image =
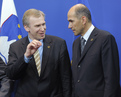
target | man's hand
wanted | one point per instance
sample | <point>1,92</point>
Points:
<point>32,48</point>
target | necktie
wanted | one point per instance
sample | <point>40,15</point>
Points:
<point>82,44</point>
<point>37,61</point>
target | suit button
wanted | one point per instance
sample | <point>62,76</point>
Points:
<point>78,81</point>
<point>79,66</point>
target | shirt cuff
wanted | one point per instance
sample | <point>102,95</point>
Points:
<point>27,59</point>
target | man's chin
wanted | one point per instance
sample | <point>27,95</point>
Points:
<point>42,37</point>
<point>75,34</point>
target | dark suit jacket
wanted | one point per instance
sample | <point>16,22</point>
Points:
<point>55,78</point>
<point>4,81</point>
<point>96,71</point>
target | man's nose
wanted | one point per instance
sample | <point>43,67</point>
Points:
<point>42,28</point>
<point>69,26</point>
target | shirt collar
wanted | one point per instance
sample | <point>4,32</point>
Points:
<point>87,34</point>
<point>30,40</point>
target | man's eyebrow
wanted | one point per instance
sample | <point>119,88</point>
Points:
<point>70,20</point>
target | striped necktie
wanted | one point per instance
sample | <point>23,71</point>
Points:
<point>82,44</point>
<point>37,61</point>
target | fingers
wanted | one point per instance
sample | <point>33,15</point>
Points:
<point>35,44</point>
<point>32,48</point>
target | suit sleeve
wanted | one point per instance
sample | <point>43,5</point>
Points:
<point>110,61</point>
<point>16,65</point>
<point>65,71</point>
<point>5,83</point>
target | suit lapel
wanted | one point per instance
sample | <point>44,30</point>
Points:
<point>32,62</point>
<point>48,45</point>
<point>89,43</point>
<point>77,51</point>
<point>25,42</point>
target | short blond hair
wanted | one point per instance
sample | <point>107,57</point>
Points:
<point>31,12</point>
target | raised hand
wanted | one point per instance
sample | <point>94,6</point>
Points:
<point>32,48</point>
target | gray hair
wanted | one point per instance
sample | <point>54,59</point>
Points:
<point>31,12</point>
<point>82,11</point>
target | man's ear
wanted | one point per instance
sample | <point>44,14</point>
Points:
<point>84,20</point>
<point>26,28</point>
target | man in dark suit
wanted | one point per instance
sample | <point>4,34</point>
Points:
<point>53,77</point>
<point>95,60</point>
<point>4,81</point>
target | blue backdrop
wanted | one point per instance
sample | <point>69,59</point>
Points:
<point>106,14</point>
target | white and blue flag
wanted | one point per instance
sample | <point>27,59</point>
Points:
<point>10,28</point>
